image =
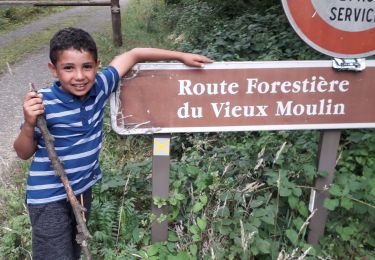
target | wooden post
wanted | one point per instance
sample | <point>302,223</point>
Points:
<point>116,23</point>
<point>327,154</point>
<point>160,184</point>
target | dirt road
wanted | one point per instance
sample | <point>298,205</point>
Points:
<point>14,85</point>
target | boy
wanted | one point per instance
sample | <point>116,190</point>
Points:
<point>74,111</point>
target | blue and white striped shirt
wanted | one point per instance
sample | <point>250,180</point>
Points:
<point>77,127</point>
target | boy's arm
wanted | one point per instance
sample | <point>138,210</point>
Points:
<point>25,144</point>
<point>124,62</point>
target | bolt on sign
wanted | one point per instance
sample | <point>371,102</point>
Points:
<point>338,28</point>
<point>242,96</point>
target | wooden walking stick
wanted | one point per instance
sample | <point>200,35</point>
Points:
<point>83,234</point>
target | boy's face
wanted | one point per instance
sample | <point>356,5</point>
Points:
<point>76,71</point>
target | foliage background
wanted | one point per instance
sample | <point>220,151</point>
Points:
<point>233,195</point>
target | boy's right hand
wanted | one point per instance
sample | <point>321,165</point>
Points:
<point>32,107</point>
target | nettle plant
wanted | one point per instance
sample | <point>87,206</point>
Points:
<point>352,219</point>
<point>233,195</point>
<point>237,193</point>
<point>241,196</point>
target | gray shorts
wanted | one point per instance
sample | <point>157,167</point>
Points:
<point>54,229</point>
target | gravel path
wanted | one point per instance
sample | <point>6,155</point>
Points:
<point>34,69</point>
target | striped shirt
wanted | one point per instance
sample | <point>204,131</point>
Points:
<point>76,126</point>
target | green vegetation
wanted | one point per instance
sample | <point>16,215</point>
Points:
<point>16,51</point>
<point>13,16</point>
<point>233,195</point>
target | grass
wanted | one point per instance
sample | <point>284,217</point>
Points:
<point>21,15</point>
<point>18,50</point>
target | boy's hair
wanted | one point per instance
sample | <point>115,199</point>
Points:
<point>69,38</point>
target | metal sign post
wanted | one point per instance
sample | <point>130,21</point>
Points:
<point>328,146</point>
<point>160,185</point>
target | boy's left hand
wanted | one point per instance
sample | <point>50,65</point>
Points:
<point>195,60</point>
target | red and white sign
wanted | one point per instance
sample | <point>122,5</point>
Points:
<point>338,28</point>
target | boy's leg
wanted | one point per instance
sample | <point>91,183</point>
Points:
<point>54,230</point>
<point>51,231</point>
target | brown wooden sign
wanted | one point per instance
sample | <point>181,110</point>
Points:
<point>277,95</point>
